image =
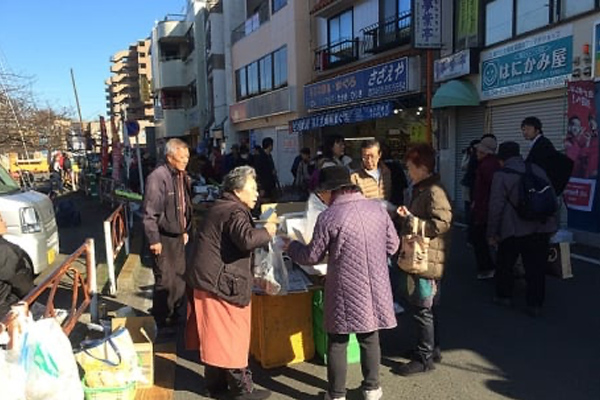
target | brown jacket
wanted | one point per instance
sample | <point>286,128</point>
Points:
<point>372,189</point>
<point>222,253</point>
<point>429,203</point>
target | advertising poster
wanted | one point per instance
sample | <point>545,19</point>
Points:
<point>581,145</point>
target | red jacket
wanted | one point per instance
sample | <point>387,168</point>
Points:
<point>483,184</point>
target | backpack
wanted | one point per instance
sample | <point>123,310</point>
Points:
<point>537,199</point>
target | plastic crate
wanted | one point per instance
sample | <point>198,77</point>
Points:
<point>282,331</point>
<point>111,393</point>
<point>353,350</point>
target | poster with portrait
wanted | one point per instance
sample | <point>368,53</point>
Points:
<point>581,145</point>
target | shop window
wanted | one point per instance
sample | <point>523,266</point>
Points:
<point>532,14</point>
<point>241,83</point>
<point>265,66</point>
<point>252,78</point>
<point>498,21</point>
<point>574,7</point>
<point>280,67</point>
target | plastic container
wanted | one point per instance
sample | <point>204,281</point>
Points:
<point>282,329</point>
<point>353,350</point>
<point>112,393</point>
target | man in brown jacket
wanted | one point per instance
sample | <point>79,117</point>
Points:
<point>374,179</point>
<point>167,218</point>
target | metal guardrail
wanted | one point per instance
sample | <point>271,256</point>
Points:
<point>336,54</point>
<point>261,16</point>
<point>86,283</point>
<point>116,235</point>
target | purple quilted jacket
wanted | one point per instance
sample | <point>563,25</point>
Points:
<point>358,235</point>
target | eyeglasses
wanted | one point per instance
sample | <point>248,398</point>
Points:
<point>370,157</point>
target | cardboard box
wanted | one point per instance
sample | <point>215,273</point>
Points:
<point>284,208</point>
<point>143,333</point>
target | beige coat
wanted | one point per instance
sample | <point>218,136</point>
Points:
<point>430,204</point>
<point>370,188</point>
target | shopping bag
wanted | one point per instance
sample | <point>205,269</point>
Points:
<point>48,362</point>
<point>111,361</point>
<point>412,257</point>
<point>270,271</point>
<point>559,261</point>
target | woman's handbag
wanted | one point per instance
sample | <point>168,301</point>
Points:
<point>412,257</point>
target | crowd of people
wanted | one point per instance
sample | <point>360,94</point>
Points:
<point>371,213</point>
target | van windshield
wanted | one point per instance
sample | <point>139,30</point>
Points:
<point>7,184</point>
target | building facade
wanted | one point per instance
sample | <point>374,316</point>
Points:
<point>504,60</point>
<point>271,62</point>
<point>179,84</point>
<point>367,76</point>
<point>128,89</point>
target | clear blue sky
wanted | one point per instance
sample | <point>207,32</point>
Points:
<point>45,39</point>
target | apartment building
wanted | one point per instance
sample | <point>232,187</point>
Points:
<point>504,60</point>
<point>128,89</point>
<point>271,62</point>
<point>179,84</point>
<point>367,79</point>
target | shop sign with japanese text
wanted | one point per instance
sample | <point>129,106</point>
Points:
<point>452,66</point>
<point>538,63</point>
<point>381,80</point>
<point>427,24</point>
<point>345,116</point>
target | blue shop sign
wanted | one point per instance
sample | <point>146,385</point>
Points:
<point>539,63</point>
<point>382,80</point>
<point>345,116</point>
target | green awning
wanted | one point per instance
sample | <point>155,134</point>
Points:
<point>455,93</point>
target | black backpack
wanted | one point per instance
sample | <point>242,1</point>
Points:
<point>537,199</point>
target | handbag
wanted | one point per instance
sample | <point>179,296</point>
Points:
<point>412,257</point>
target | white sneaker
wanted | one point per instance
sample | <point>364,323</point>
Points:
<point>328,397</point>
<point>398,309</point>
<point>374,394</point>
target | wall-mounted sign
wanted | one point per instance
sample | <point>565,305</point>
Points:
<point>427,16</point>
<point>343,116</point>
<point>535,64</point>
<point>581,145</point>
<point>452,66</point>
<point>378,81</point>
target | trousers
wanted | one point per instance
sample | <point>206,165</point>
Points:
<point>169,285</point>
<point>337,364</point>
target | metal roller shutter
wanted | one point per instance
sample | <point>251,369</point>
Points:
<point>469,126</point>
<point>506,121</point>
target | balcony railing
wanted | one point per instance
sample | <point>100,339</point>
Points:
<point>336,54</point>
<point>252,24</point>
<point>392,32</point>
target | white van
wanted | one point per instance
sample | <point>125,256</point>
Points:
<point>30,222</point>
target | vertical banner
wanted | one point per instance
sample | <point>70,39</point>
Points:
<point>596,51</point>
<point>427,24</point>
<point>117,151</point>
<point>581,144</point>
<point>104,146</point>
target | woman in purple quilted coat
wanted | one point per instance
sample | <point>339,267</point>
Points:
<point>358,236</point>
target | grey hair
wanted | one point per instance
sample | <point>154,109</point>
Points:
<point>237,178</point>
<point>174,144</point>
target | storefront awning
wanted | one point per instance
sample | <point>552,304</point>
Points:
<point>455,93</point>
<point>342,116</point>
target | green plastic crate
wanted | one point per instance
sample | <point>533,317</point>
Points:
<point>353,351</point>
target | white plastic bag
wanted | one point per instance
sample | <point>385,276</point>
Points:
<point>49,364</point>
<point>314,207</point>
<point>270,271</point>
